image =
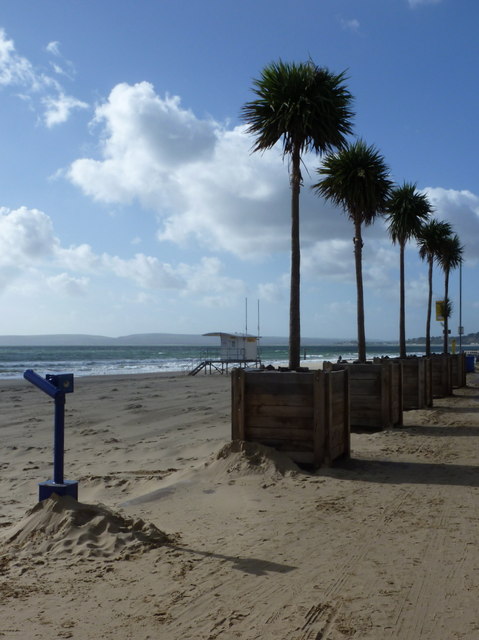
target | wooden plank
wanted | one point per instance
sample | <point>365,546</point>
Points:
<point>279,422</point>
<point>253,399</point>
<point>319,426</point>
<point>237,405</point>
<point>283,411</point>
<point>279,379</point>
<point>278,433</point>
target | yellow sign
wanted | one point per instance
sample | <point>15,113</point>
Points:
<point>440,310</point>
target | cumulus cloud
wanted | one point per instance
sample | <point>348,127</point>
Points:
<point>272,291</point>
<point>64,283</point>
<point>329,259</point>
<point>207,280</point>
<point>17,72</point>
<point>200,178</point>
<point>461,209</point>
<point>26,235</point>
<point>146,271</point>
<point>203,184</point>
<point>30,252</point>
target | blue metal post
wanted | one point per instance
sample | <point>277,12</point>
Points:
<point>59,439</point>
<point>56,386</point>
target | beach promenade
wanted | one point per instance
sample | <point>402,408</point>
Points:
<point>383,546</point>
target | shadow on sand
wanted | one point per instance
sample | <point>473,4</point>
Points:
<point>391,472</point>
<point>253,566</point>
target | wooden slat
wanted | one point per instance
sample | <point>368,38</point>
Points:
<point>319,424</point>
<point>281,411</point>
<point>278,433</point>
<point>281,422</point>
<point>253,398</point>
<point>237,405</point>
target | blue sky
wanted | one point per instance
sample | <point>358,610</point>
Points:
<point>130,200</point>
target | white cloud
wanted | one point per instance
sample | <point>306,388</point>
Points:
<point>58,109</point>
<point>26,235</point>
<point>17,71</point>
<point>78,258</point>
<point>332,259</point>
<point>350,25</point>
<point>63,283</point>
<point>144,139</point>
<point>207,280</point>
<point>31,255</point>
<point>272,292</point>
<point>200,179</point>
<point>14,69</point>
<point>146,271</point>
<point>461,209</point>
<point>204,185</point>
<point>53,48</point>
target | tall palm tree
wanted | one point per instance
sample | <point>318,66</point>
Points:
<point>429,240</point>
<point>449,257</point>
<point>407,210</point>
<point>309,109</point>
<point>357,179</point>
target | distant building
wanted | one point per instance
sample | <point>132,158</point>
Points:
<point>240,349</point>
<point>235,347</point>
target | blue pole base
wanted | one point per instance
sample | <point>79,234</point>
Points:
<point>67,488</point>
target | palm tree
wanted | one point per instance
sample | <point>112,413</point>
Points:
<point>407,211</point>
<point>429,240</point>
<point>449,257</point>
<point>309,109</point>
<point>357,179</point>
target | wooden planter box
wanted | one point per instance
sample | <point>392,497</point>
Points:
<point>458,370</point>
<point>375,394</point>
<point>441,374</point>
<point>416,383</point>
<point>303,414</point>
<point>429,396</point>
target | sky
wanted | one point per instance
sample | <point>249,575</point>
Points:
<point>131,201</point>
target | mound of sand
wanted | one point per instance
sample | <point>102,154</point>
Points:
<point>61,525</point>
<point>245,458</point>
<point>235,460</point>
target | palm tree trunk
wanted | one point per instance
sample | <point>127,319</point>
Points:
<point>446,312</point>
<point>429,309</point>
<point>358,257</point>
<point>294,305</point>
<point>402,307</point>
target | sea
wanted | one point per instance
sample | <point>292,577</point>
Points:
<point>120,360</point>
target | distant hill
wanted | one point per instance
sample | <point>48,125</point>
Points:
<point>144,340</point>
<point>470,338</point>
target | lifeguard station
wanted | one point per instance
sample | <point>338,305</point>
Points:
<point>236,349</point>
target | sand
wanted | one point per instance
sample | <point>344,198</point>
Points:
<point>178,534</point>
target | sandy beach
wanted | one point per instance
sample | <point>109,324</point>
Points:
<point>180,535</point>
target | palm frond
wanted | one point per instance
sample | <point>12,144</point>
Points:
<point>356,178</point>
<point>306,106</point>
<point>407,210</point>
